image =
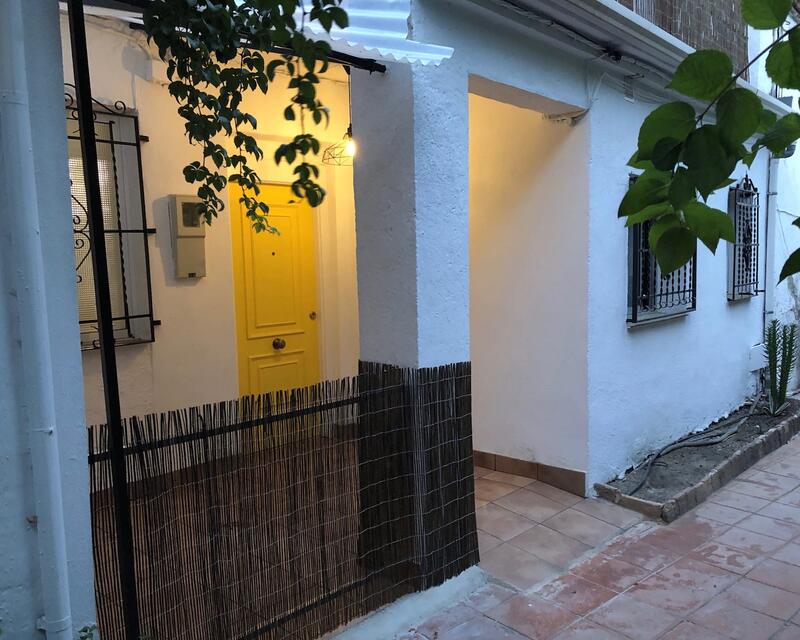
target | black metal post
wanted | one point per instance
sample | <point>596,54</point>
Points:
<point>108,357</point>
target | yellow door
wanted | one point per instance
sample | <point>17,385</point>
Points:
<point>275,280</point>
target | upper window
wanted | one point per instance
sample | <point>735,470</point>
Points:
<point>653,295</point>
<point>119,168</point>
<point>743,206</point>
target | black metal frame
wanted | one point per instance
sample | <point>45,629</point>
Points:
<point>108,115</point>
<point>743,254</point>
<point>651,295</point>
<point>108,356</point>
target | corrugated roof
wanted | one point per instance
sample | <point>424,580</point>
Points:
<point>379,29</point>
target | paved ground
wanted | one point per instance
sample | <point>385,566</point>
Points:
<point>569,569</point>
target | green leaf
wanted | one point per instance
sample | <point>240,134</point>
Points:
<point>783,133</point>
<point>651,212</point>
<point>636,163</point>
<point>709,224</point>
<point>703,74</point>
<point>674,120</point>
<point>666,153</point>
<point>768,120</point>
<point>660,228</point>
<point>783,62</point>
<point>738,115</point>
<point>707,160</point>
<point>681,189</point>
<point>675,248</point>
<point>791,266</point>
<point>765,14</point>
<point>649,188</point>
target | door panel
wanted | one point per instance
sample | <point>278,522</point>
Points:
<point>276,294</point>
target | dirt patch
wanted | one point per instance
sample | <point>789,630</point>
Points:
<point>681,469</point>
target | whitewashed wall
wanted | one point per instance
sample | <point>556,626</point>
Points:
<point>646,386</point>
<point>528,239</point>
<point>193,359</point>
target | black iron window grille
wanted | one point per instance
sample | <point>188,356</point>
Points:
<point>743,206</point>
<point>126,231</point>
<point>653,295</point>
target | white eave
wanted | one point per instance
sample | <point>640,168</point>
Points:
<point>611,26</point>
<point>378,29</point>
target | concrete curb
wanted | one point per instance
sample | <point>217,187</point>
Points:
<point>715,479</point>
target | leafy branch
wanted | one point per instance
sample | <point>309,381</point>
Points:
<point>216,52</point>
<point>684,160</point>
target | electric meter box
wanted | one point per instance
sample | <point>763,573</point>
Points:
<point>188,237</point>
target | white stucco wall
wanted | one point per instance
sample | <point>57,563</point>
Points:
<point>645,386</point>
<point>651,384</point>
<point>193,358</point>
<point>528,242</point>
<point>20,593</point>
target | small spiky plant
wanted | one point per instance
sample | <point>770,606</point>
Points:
<point>780,349</point>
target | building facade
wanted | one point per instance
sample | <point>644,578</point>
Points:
<point>477,223</point>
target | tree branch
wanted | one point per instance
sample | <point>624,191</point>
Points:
<point>744,69</point>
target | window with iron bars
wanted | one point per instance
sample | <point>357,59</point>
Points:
<point>652,295</point>
<point>122,196</point>
<point>743,254</point>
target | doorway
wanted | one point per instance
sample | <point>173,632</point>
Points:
<point>275,288</point>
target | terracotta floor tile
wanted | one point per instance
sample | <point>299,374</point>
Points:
<point>581,527</point>
<point>487,542</point>
<point>488,597</point>
<point>532,616</point>
<point>501,523</point>
<point>789,466</point>
<point>480,503</point>
<point>738,500</point>
<point>608,512</point>
<point>551,546</point>
<point>720,513</point>
<point>749,541</point>
<point>727,618</point>
<point>792,498</point>
<point>489,490</point>
<point>447,619</point>
<point>481,628</point>
<point>762,484</point>
<point>764,599</point>
<point>685,534</point>
<point>644,555</point>
<point>683,586</point>
<point>586,630</point>
<point>554,493</point>
<point>633,618</point>
<point>482,472</point>
<point>784,512</point>
<point>531,505</point>
<point>789,553</point>
<point>789,632</point>
<point>690,631</point>
<point>575,594</point>
<point>728,558</point>
<point>612,573</point>
<point>777,574</point>
<point>769,526</point>
<point>509,478</point>
<point>516,567</point>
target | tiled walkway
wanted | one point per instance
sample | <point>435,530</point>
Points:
<point>729,569</point>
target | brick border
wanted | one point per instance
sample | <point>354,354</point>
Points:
<point>715,479</point>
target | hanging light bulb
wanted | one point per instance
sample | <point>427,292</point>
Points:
<point>342,153</point>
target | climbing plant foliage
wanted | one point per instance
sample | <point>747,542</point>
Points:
<point>687,153</point>
<point>216,52</point>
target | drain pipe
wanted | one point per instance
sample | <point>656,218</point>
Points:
<point>22,218</point>
<point>769,258</point>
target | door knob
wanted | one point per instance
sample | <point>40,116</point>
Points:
<point>313,315</point>
<point>278,344</point>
